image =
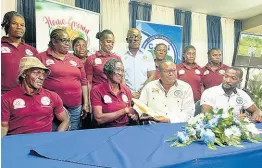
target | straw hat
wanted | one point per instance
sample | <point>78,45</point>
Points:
<point>30,62</point>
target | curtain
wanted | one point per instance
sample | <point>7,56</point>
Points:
<point>178,15</point>
<point>214,32</point>
<point>114,16</point>
<point>187,29</point>
<point>199,37</point>
<point>227,26</point>
<point>139,11</point>
<point>7,6</point>
<point>27,9</point>
<point>67,2</point>
<point>162,15</point>
<point>238,29</point>
<point>92,5</point>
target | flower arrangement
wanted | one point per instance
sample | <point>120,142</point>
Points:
<point>221,128</point>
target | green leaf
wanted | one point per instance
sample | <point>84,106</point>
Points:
<point>211,146</point>
<point>216,130</point>
<point>220,111</point>
<point>257,138</point>
<point>218,141</point>
<point>170,139</point>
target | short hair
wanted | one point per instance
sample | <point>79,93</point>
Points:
<point>187,48</point>
<point>110,66</point>
<point>54,34</point>
<point>76,40</point>
<point>160,67</point>
<point>131,30</point>
<point>8,18</point>
<point>213,49</point>
<point>159,44</point>
<point>101,35</point>
<point>240,71</point>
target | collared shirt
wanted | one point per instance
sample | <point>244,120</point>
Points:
<point>177,104</point>
<point>10,59</point>
<point>213,78</point>
<point>102,95</point>
<point>30,113</point>
<point>218,99</point>
<point>94,66</point>
<point>191,76</point>
<point>137,67</point>
<point>66,78</point>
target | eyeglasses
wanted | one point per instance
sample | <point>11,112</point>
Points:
<point>133,37</point>
<point>119,71</point>
<point>169,71</point>
<point>64,41</point>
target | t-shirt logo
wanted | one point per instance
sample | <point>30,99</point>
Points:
<point>197,71</point>
<point>49,62</point>
<point>178,93</point>
<point>45,101</point>
<point>18,103</point>
<point>5,50</point>
<point>239,100</point>
<point>28,52</point>
<point>145,57</point>
<point>124,98</point>
<point>107,99</point>
<point>98,61</point>
<point>73,63</point>
<point>154,90</point>
<point>181,72</point>
<point>221,71</point>
<point>206,72</point>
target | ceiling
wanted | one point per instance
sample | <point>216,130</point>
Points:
<point>234,9</point>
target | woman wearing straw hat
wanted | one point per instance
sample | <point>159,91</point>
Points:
<point>29,108</point>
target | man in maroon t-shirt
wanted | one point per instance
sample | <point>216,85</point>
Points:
<point>214,70</point>
<point>13,48</point>
<point>29,108</point>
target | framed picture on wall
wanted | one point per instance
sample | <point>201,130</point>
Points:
<point>249,51</point>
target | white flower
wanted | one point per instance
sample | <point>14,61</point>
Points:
<point>228,132</point>
<point>252,128</point>
<point>247,120</point>
<point>182,137</point>
<point>225,115</point>
<point>235,131</point>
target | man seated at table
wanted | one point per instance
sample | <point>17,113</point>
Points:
<point>227,95</point>
<point>171,99</point>
<point>29,108</point>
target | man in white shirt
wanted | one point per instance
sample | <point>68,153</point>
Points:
<point>226,96</point>
<point>139,64</point>
<point>170,98</point>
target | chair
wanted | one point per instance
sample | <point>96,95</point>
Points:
<point>197,108</point>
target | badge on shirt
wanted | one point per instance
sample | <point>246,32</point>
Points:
<point>178,93</point>
<point>145,57</point>
<point>73,63</point>
<point>124,98</point>
<point>221,71</point>
<point>107,99</point>
<point>197,71</point>
<point>49,62</point>
<point>239,100</point>
<point>28,52</point>
<point>19,103</point>
<point>45,101</point>
<point>154,90</point>
<point>98,61</point>
<point>181,72</point>
<point>206,72</point>
<point>126,57</point>
<point>5,50</point>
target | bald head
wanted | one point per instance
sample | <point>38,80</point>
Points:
<point>133,38</point>
<point>133,31</point>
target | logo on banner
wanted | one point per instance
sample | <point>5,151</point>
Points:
<point>150,43</point>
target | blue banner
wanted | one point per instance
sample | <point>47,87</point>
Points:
<point>153,34</point>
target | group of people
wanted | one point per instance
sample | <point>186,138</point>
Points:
<point>40,87</point>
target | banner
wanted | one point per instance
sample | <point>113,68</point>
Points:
<point>77,23</point>
<point>153,34</point>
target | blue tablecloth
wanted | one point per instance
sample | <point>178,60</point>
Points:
<point>137,146</point>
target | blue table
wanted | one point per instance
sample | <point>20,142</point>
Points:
<point>134,147</point>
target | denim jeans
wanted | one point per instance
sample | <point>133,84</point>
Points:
<point>75,113</point>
